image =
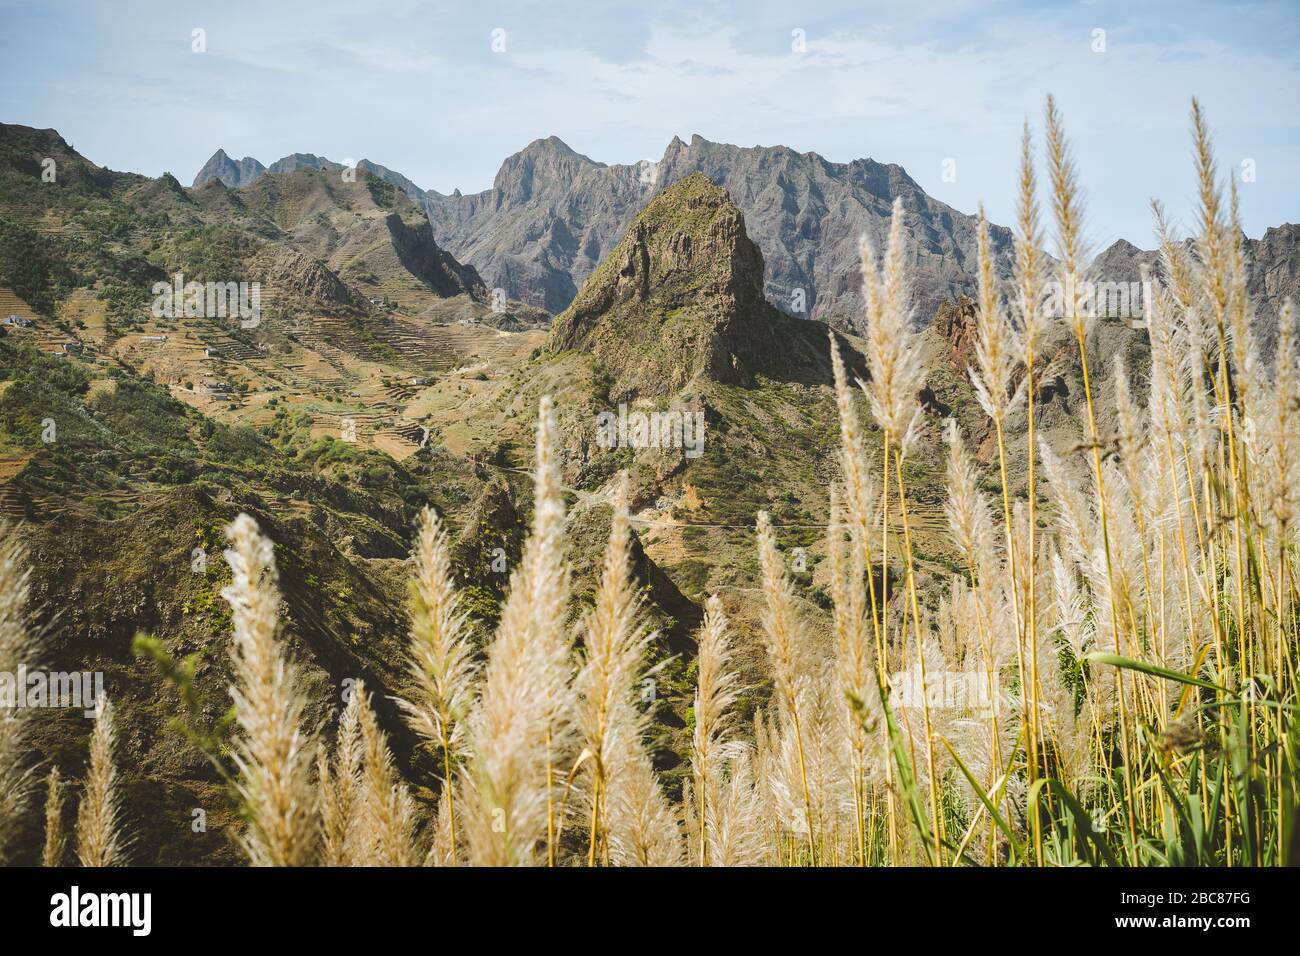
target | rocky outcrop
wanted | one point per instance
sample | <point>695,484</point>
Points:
<point>296,161</point>
<point>681,296</point>
<point>427,261</point>
<point>306,278</point>
<point>955,324</point>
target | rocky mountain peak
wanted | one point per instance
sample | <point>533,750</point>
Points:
<point>306,278</point>
<point>680,296</point>
<point>228,171</point>
<point>537,166</point>
<point>689,239</point>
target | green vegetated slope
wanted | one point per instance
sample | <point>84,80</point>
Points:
<point>66,223</point>
<point>125,512</point>
<point>135,480</point>
<point>124,515</point>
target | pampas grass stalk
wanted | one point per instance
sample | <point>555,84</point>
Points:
<point>897,377</point>
<point>18,649</point>
<point>992,381</point>
<point>520,727</point>
<point>272,753</point>
<point>785,652</point>
<point>851,661</point>
<point>387,812</point>
<point>56,839</point>
<point>642,825</point>
<point>441,657</point>
<point>1028,240</point>
<point>1069,225</point>
<point>1215,272</point>
<point>440,845</point>
<point>615,642</point>
<point>717,689</point>
<point>340,783</point>
<point>736,835</point>
<point>896,374</point>
<point>970,521</point>
<point>333,819</point>
<point>861,497</point>
<point>99,840</point>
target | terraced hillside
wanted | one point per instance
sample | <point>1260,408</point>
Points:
<point>370,387</point>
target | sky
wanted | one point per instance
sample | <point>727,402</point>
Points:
<point>443,92</point>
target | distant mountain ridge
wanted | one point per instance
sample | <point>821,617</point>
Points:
<point>248,170</point>
<point>231,172</point>
<point>357,244</point>
<point>1272,264</point>
<point>553,214</point>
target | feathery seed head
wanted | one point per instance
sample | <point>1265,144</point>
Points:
<point>271,752</point>
<point>99,840</point>
<point>894,363</point>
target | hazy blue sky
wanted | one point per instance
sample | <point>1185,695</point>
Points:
<point>417,87</point>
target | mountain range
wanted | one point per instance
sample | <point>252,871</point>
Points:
<point>386,376</point>
<point>552,215</point>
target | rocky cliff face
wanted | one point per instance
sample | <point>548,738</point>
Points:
<point>234,174</point>
<point>553,214</point>
<point>550,218</point>
<point>682,296</point>
<point>1275,267</point>
<point>426,260</point>
<point>1272,270</point>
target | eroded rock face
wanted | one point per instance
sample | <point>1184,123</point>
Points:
<point>1275,267</point>
<point>1272,270</point>
<point>226,170</point>
<point>426,260</point>
<point>955,322</point>
<point>306,278</point>
<point>553,215</point>
<point>682,296</point>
